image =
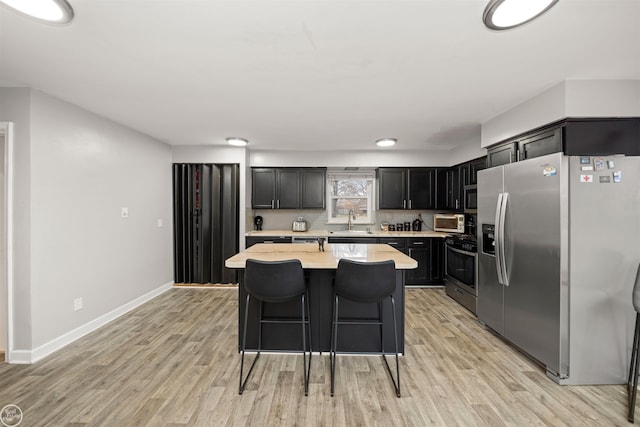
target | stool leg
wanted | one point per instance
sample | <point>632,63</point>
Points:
<point>308,324</point>
<point>396,384</point>
<point>632,384</point>
<point>334,340</point>
<point>244,345</point>
<point>304,346</point>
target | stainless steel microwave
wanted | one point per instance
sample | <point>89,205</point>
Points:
<point>449,223</point>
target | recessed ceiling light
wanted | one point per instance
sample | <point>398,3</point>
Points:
<point>52,11</point>
<point>505,14</point>
<point>386,142</point>
<point>238,142</point>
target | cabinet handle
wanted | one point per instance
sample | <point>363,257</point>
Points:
<point>272,206</point>
<point>418,243</point>
<point>404,204</point>
<point>410,203</point>
<point>457,204</point>
<point>278,203</point>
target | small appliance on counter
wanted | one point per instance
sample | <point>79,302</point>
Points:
<point>448,223</point>
<point>417,225</point>
<point>257,221</point>
<point>300,224</point>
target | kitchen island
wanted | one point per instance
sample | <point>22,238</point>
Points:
<point>320,270</point>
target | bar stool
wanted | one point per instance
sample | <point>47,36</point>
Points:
<point>364,282</point>
<point>632,383</point>
<point>276,282</point>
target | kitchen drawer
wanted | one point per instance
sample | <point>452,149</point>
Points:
<point>250,241</point>
<point>400,243</point>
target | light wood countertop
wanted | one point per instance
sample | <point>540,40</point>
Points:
<point>312,258</point>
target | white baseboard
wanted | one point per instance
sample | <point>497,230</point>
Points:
<point>32,356</point>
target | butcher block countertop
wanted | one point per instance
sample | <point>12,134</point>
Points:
<point>311,257</point>
<point>345,233</point>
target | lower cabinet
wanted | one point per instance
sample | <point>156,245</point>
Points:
<point>250,241</point>
<point>429,254</point>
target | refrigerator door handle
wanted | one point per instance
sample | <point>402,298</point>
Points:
<point>496,240</point>
<point>503,260</point>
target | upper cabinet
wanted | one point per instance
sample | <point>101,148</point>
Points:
<point>449,188</point>
<point>406,188</point>
<point>314,181</point>
<point>502,154</point>
<point>288,188</point>
<point>573,137</point>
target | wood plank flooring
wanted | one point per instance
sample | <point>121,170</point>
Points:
<point>173,362</point>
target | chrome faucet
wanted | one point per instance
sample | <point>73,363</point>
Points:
<point>351,214</point>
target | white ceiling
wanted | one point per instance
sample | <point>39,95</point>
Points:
<point>313,75</point>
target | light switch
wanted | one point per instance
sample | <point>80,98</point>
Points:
<point>125,212</point>
<point>159,222</point>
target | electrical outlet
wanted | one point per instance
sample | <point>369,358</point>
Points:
<point>125,212</point>
<point>159,222</point>
<point>77,304</point>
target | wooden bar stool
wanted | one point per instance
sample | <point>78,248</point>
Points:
<point>632,383</point>
<point>365,282</point>
<point>275,282</point>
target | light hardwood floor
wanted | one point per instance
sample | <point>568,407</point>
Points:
<point>174,362</point>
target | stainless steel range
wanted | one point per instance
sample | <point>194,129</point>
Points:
<point>461,269</point>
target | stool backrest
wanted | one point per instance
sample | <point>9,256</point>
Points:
<point>274,281</point>
<point>636,292</point>
<point>365,281</point>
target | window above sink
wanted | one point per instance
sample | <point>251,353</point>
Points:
<point>350,196</point>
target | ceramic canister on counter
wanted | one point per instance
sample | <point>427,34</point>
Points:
<point>407,226</point>
<point>399,226</point>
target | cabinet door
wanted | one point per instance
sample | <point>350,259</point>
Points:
<point>475,166</point>
<point>502,154</point>
<point>419,250</point>
<point>263,188</point>
<point>288,188</point>
<point>540,144</point>
<point>313,188</point>
<point>398,242</point>
<point>436,264</point>
<point>392,188</point>
<point>422,188</point>
<point>250,241</point>
<point>448,189</point>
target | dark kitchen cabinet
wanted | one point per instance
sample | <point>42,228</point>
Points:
<point>449,188</point>
<point>540,144</point>
<point>406,188</point>
<point>314,183</point>
<point>502,154</point>
<point>600,136</point>
<point>252,240</point>
<point>429,255</point>
<point>471,177</point>
<point>392,188</point>
<point>263,188</point>
<point>288,188</point>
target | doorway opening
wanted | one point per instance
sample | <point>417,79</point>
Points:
<point>6,290</point>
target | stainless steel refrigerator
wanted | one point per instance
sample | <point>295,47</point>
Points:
<point>558,249</point>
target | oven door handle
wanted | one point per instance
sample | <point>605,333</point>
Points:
<point>473,254</point>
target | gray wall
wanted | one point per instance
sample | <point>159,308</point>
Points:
<point>73,173</point>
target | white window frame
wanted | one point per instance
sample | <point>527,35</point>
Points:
<point>370,176</point>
